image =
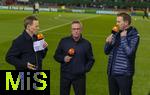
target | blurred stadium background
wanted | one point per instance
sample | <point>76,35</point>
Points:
<point>97,16</point>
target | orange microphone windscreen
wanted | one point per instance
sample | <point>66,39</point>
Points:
<point>71,51</point>
<point>40,36</point>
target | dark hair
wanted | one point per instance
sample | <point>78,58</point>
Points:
<point>126,17</point>
<point>29,20</point>
<point>76,21</point>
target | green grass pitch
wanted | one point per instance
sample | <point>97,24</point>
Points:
<point>96,28</point>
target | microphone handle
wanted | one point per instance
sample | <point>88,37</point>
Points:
<point>114,37</point>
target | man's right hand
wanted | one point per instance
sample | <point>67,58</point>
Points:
<point>67,59</point>
<point>45,44</point>
<point>109,39</point>
<point>31,66</point>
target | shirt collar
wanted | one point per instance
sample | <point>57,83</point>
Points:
<point>27,36</point>
<point>81,38</point>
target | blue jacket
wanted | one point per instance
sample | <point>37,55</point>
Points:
<point>80,63</point>
<point>122,53</point>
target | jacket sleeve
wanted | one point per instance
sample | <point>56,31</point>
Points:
<point>59,54</point>
<point>43,52</point>
<point>13,56</point>
<point>130,46</point>
<point>108,46</point>
<point>90,58</point>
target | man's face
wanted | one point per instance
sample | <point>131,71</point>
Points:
<point>122,24</point>
<point>34,27</point>
<point>76,30</point>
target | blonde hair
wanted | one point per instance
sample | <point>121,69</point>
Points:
<point>76,22</point>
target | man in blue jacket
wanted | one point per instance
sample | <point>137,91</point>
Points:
<point>21,54</point>
<point>121,47</point>
<point>76,64</point>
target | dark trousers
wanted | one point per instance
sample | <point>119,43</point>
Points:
<point>120,84</point>
<point>78,85</point>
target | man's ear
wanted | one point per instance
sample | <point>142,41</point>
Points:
<point>126,23</point>
<point>28,26</point>
<point>81,29</point>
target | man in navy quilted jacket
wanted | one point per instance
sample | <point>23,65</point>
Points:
<point>121,47</point>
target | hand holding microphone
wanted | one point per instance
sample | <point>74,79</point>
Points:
<point>40,43</point>
<point>109,39</point>
<point>41,37</point>
<point>115,30</point>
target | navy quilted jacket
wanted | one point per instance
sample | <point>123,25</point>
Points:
<point>122,53</point>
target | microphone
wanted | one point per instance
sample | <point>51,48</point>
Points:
<point>115,29</point>
<point>71,52</point>
<point>38,46</point>
<point>39,42</point>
